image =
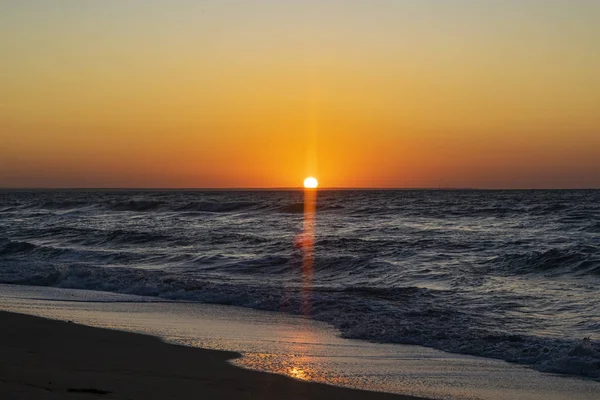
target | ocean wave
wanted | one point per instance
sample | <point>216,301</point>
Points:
<point>63,205</point>
<point>22,248</point>
<point>96,237</point>
<point>29,253</point>
<point>122,237</point>
<point>579,260</point>
<point>217,207</point>
<point>292,208</point>
<point>593,227</point>
<point>136,205</point>
<point>8,247</point>
<point>298,208</point>
<point>56,205</point>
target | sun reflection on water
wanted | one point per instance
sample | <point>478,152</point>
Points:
<point>294,363</point>
<point>298,373</point>
<point>308,243</point>
<point>298,355</point>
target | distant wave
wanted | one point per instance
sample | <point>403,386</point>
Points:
<point>120,237</point>
<point>216,207</point>
<point>54,205</point>
<point>63,205</point>
<point>292,208</point>
<point>299,208</point>
<point>139,206</point>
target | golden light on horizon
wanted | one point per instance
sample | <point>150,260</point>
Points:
<point>311,183</point>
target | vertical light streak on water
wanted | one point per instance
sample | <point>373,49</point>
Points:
<point>310,208</point>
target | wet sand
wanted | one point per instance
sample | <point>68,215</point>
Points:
<point>47,359</point>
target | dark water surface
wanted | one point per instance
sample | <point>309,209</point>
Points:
<point>513,275</point>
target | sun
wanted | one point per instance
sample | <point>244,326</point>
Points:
<point>311,183</point>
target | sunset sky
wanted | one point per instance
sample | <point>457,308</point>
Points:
<point>240,93</point>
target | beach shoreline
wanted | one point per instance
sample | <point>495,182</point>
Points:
<point>276,343</point>
<point>49,359</point>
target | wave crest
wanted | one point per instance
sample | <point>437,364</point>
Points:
<point>217,207</point>
<point>579,260</point>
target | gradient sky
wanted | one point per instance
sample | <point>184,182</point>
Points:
<point>240,93</point>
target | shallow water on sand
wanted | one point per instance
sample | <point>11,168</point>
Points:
<point>301,348</point>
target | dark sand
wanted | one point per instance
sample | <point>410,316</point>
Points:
<point>46,359</point>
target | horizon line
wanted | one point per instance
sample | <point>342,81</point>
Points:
<point>284,188</point>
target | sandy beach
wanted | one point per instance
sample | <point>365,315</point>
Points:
<point>46,359</point>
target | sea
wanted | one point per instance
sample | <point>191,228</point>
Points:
<point>510,275</point>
